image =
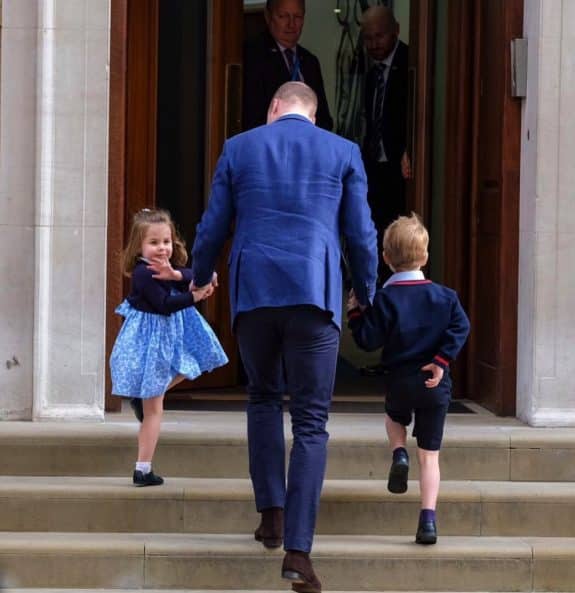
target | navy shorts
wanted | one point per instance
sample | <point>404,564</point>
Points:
<point>406,396</point>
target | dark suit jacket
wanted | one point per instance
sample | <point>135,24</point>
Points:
<point>394,122</point>
<point>292,190</point>
<point>265,71</point>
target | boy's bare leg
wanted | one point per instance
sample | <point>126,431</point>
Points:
<point>429,477</point>
<point>150,427</point>
<point>396,433</point>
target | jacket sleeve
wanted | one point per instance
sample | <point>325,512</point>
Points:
<point>454,337</point>
<point>155,293</point>
<point>216,222</point>
<point>368,328</point>
<point>358,229</point>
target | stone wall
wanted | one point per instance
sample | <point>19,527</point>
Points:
<point>53,175</point>
<point>546,351</point>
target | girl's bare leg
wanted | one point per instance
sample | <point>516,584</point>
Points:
<point>150,427</point>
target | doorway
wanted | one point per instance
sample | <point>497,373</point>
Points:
<point>175,96</point>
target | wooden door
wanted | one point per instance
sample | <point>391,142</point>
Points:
<point>223,119</point>
<point>481,189</point>
<point>495,207</point>
<point>420,110</point>
<point>133,166</point>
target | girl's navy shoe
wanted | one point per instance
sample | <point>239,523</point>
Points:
<point>149,479</point>
<point>136,405</point>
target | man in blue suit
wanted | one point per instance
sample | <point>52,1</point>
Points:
<point>292,190</point>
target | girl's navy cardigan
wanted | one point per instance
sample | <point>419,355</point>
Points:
<point>156,296</point>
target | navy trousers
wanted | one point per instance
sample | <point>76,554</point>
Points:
<point>293,350</point>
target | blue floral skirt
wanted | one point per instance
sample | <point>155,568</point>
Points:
<point>152,349</point>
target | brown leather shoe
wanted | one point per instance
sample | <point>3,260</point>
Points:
<point>271,528</point>
<point>297,568</point>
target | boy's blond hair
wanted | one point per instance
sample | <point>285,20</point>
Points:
<point>405,243</point>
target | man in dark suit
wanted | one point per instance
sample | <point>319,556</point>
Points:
<point>384,147</point>
<point>274,58</point>
<point>291,191</point>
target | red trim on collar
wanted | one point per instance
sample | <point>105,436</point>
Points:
<point>409,282</point>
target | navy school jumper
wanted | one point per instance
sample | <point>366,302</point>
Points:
<point>415,322</point>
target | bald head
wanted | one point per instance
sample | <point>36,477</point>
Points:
<point>293,97</point>
<point>379,31</point>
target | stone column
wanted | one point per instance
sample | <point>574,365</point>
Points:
<point>19,31</point>
<point>546,344</point>
<point>71,207</point>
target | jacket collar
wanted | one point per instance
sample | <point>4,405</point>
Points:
<point>294,116</point>
<point>414,276</point>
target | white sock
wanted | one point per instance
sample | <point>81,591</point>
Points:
<point>144,466</point>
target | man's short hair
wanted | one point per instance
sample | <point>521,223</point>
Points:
<point>297,92</point>
<point>270,4</point>
<point>405,243</point>
<point>379,13</point>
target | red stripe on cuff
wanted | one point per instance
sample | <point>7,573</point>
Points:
<point>441,360</point>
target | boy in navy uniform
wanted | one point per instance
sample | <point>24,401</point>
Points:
<point>421,327</point>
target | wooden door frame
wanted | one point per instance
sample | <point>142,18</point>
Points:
<point>133,101</point>
<point>116,180</point>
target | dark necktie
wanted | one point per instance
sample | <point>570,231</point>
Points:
<point>377,112</point>
<point>290,57</point>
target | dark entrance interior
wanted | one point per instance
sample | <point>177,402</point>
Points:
<point>181,129</point>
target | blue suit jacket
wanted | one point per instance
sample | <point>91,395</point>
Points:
<point>292,190</point>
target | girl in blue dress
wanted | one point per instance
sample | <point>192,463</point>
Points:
<point>163,339</point>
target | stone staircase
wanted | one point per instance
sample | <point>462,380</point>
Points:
<point>71,520</point>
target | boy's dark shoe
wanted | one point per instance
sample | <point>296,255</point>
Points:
<point>297,568</point>
<point>136,405</point>
<point>426,533</point>
<point>271,528</point>
<point>398,472</point>
<point>149,479</point>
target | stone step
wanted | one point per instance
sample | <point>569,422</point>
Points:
<point>51,590</point>
<point>211,505</point>
<point>214,445</point>
<point>344,563</point>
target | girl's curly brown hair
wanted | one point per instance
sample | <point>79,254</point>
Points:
<point>140,223</point>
